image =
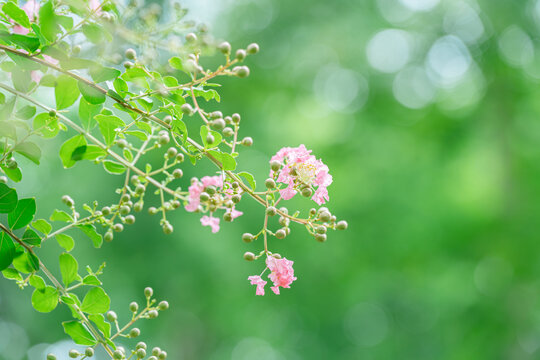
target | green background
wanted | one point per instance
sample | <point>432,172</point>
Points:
<point>440,259</point>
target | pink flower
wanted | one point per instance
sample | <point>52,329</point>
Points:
<point>235,213</point>
<point>31,9</point>
<point>94,5</point>
<point>211,221</point>
<point>257,280</point>
<point>301,169</point>
<point>282,273</point>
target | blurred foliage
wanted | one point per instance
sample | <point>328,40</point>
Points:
<point>433,146</point>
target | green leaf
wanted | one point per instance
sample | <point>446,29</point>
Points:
<point>42,226</point>
<point>249,178</point>
<point>94,33</point>
<point>66,92</point>
<point>11,274</point>
<point>13,174</point>
<point>215,134</point>
<point>7,250</point>
<point>22,80</point>
<point>22,214</point>
<point>8,199</point>
<point>67,149</point>
<point>96,301</point>
<point>37,282</point>
<point>29,150</point>
<point>91,280</point>
<point>101,324</point>
<point>68,268</point>
<point>87,112</point>
<point>108,125</point>
<point>176,63</point>
<point>26,263</point>
<point>48,21</point>
<point>90,231</point>
<point>91,94</point>
<point>102,73</point>
<point>17,14</point>
<point>113,167</point>
<point>47,126</point>
<point>93,152</point>
<point>23,62</point>
<point>59,215</point>
<point>29,43</point>
<point>79,333</point>
<point>26,112</point>
<point>30,237</point>
<point>228,162</point>
<point>65,241</point>
<point>45,300</point>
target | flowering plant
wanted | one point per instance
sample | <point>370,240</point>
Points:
<point>123,111</point>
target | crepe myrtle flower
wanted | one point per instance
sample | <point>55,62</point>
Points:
<point>281,275</point>
<point>209,192</point>
<point>300,171</point>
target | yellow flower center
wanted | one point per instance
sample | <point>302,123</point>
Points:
<point>306,173</point>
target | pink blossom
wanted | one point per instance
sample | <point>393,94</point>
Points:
<point>211,221</point>
<point>282,273</point>
<point>31,9</point>
<point>95,6</point>
<point>257,280</point>
<point>300,168</point>
<point>235,213</point>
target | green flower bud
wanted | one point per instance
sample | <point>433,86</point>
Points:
<point>111,316</point>
<point>106,211</point>
<point>271,211</point>
<point>124,210</point>
<point>180,157</point>
<point>52,113</point>
<point>66,199</point>
<point>134,179</point>
<point>76,50</point>
<point>138,206</point>
<point>109,236</point>
<point>204,197</point>
<point>247,141</point>
<point>342,225</point>
<point>235,184</point>
<point>12,164</point>
<point>73,353</point>
<point>141,345</point>
<point>168,119</point>
<point>218,124</point>
<point>252,49</point>
<point>280,234</point>
<point>216,114</point>
<point>118,227</point>
<point>141,353</point>
<point>3,179</point>
<point>320,237</point>
<point>172,152</point>
<point>191,37</point>
<point>89,352</point>
<point>134,333</point>
<point>186,109</point>
<point>228,120</point>
<point>241,71</point>
<point>125,198</point>
<point>320,229</point>
<point>117,355</point>
<point>164,139</point>
<point>236,118</point>
<point>247,237</point>
<point>128,64</point>
<point>227,132</point>
<point>249,256</point>
<point>152,314</point>
<point>236,198</point>
<point>210,139</point>
<point>148,292</point>
<point>276,256</point>
<point>51,357</point>
<point>163,305</point>
<point>324,216</point>
<point>162,355</point>
<point>227,217</point>
<point>241,54</point>
<point>270,183</point>
<point>225,48</point>
<point>167,228</point>
<point>131,54</point>
<point>133,306</point>
<point>275,165</point>
<point>211,189</point>
<point>156,351</point>
<point>333,219</point>
<point>139,189</point>
<point>283,221</point>
<point>130,219</point>
<point>307,192</point>
<point>175,204</point>
<point>152,210</point>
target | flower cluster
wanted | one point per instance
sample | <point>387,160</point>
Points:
<point>211,193</point>
<point>300,171</point>
<point>281,274</point>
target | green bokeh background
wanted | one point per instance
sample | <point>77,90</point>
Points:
<point>441,257</point>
